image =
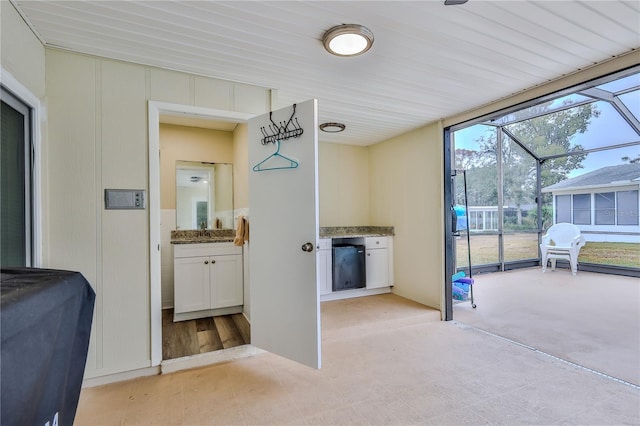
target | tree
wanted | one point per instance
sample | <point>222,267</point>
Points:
<point>551,134</point>
<point>632,160</point>
<point>547,216</point>
<point>546,134</point>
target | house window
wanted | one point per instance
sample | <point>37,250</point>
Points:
<point>627,207</point>
<point>563,208</point>
<point>582,209</point>
<point>493,216</point>
<point>605,208</point>
<point>476,221</point>
<point>15,181</point>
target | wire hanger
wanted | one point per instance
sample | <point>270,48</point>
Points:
<point>292,163</point>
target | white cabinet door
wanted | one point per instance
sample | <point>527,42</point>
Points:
<point>377,268</point>
<point>191,284</point>
<point>226,281</point>
<point>285,305</point>
<point>325,274</point>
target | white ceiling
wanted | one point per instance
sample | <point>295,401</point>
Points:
<point>428,61</point>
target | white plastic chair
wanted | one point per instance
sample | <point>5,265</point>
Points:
<point>562,241</point>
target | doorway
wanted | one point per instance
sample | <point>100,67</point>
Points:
<point>570,156</point>
<point>155,111</point>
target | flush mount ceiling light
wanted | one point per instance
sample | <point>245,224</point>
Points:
<point>348,40</point>
<point>332,127</point>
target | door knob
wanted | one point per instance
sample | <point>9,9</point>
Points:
<point>307,247</point>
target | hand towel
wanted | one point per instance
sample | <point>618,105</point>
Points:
<point>242,231</point>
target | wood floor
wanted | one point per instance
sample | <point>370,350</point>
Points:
<point>184,338</point>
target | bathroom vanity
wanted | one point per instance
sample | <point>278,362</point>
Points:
<point>208,274</point>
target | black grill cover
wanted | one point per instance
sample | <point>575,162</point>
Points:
<point>45,323</point>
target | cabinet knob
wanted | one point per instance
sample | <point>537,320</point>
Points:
<point>368,254</point>
<point>206,262</point>
<point>213,261</point>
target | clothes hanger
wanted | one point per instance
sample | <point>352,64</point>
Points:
<point>292,163</point>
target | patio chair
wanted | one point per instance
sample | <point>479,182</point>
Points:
<point>562,241</point>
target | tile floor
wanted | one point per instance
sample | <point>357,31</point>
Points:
<point>386,361</point>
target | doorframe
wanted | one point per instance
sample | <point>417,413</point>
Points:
<point>37,113</point>
<point>155,109</point>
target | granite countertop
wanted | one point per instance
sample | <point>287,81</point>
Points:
<point>356,231</point>
<point>203,236</point>
<point>227,235</point>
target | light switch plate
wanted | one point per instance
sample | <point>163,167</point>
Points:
<point>124,199</point>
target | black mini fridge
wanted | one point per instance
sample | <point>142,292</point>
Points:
<point>348,267</point>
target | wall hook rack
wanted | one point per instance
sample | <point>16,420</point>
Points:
<point>282,131</point>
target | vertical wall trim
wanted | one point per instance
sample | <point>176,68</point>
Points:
<point>154,234</point>
<point>99,310</point>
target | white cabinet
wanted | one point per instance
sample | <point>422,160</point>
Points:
<point>192,291</point>
<point>207,276</point>
<point>377,261</point>
<point>324,266</point>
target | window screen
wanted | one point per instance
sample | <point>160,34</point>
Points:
<point>563,208</point>
<point>628,207</point>
<point>605,208</point>
<point>582,209</point>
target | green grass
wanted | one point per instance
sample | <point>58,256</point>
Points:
<point>484,250</point>
<point>619,254</point>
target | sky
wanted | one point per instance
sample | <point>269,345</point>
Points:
<point>607,129</point>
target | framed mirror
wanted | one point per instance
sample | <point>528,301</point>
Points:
<point>204,195</point>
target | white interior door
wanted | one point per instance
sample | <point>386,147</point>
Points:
<point>283,210</point>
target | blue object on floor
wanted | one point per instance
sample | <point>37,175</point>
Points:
<point>457,276</point>
<point>462,286</point>
<point>458,293</point>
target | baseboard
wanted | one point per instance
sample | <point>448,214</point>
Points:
<point>120,377</point>
<point>185,316</point>
<point>209,358</point>
<point>348,294</point>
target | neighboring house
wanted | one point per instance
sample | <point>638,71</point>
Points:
<point>603,203</point>
<point>485,218</point>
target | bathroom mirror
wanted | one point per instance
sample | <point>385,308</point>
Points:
<point>204,195</point>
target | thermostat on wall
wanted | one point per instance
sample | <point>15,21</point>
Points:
<point>124,199</point>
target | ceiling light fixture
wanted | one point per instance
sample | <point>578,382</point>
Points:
<point>348,40</point>
<point>332,127</point>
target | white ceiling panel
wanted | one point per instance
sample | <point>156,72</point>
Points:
<point>428,60</point>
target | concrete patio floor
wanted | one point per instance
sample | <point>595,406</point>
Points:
<point>592,320</point>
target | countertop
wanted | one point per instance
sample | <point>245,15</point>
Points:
<point>227,235</point>
<point>356,231</point>
<point>203,236</point>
